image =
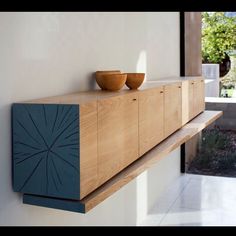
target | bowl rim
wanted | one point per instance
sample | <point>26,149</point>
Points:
<point>135,73</point>
<point>108,71</point>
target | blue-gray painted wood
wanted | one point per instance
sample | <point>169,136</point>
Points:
<point>45,150</point>
<point>62,204</point>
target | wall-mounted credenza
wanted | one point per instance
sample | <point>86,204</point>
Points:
<point>67,147</point>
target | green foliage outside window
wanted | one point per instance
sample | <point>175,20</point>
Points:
<point>218,36</point>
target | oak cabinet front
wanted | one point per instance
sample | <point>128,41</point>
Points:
<point>172,108</point>
<point>196,97</point>
<point>187,99</point>
<point>193,98</point>
<point>151,118</point>
<point>199,96</point>
<point>117,134</point>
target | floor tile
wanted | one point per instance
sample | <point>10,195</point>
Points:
<point>208,193</point>
<point>170,195</point>
<point>153,220</point>
<point>190,217</point>
<point>165,202</point>
<point>196,200</point>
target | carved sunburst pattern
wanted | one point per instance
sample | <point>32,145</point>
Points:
<point>46,149</point>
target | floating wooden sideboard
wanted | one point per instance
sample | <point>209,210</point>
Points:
<point>132,171</point>
<point>66,147</point>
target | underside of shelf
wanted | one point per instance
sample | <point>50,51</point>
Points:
<point>145,162</point>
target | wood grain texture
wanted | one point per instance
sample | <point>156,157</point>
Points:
<point>186,100</point>
<point>192,100</point>
<point>83,97</point>
<point>88,148</point>
<point>132,171</point>
<point>150,158</point>
<point>193,56</point>
<point>151,118</point>
<point>115,129</point>
<point>198,96</point>
<point>96,95</point>
<point>172,108</point>
<point>99,79</point>
<point>201,95</point>
<point>193,95</point>
<point>117,134</point>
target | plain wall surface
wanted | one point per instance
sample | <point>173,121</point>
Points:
<point>47,54</point>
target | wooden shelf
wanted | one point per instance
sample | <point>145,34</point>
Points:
<point>129,173</point>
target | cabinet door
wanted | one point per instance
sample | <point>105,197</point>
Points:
<point>192,100</point>
<point>172,108</point>
<point>117,134</point>
<point>196,97</point>
<point>185,102</point>
<point>199,96</point>
<point>151,119</point>
<point>203,104</point>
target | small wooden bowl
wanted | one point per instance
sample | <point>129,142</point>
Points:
<point>134,80</point>
<point>99,78</point>
<point>114,82</point>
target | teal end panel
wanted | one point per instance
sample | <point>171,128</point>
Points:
<point>45,150</point>
<point>62,204</point>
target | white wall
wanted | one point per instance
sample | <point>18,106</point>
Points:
<point>46,54</point>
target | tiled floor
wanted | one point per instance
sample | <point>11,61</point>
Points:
<point>196,200</point>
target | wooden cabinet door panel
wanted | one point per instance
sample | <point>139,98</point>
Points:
<point>88,148</point>
<point>199,96</point>
<point>151,119</point>
<point>202,95</point>
<point>186,102</point>
<point>196,89</point>
<point>192,100</point>
<point>172,108</point>
<point>117,134</point>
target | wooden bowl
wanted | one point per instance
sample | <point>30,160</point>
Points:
<point>134,80</point>
<point>114,82</point>
<point>99,78</point>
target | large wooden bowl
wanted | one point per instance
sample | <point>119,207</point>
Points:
<point>114,82</point>
<point>134,80</point>
<point>99,78</point>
